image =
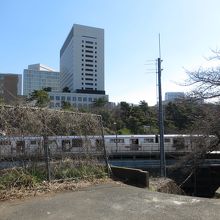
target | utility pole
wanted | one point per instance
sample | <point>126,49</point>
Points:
<point>161,122</point>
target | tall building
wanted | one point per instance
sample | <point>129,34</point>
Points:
<point>171,96</point>
<point>82,60</point>
<point>38,77</point>
<point>10,86</point>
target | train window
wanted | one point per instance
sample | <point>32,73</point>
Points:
<point>148,140</point>
<point>99,144</point>
<point>20,146</point>
<point>117,140</point>
<point>77,142</point>
<point>167,140</point>
<point>156,139</point>
<point>178,143</point>
<point>33,142</point>
<point>134,141</point>
<point>66,145</point>
<point>5,142</point>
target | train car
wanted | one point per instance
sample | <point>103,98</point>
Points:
<point>72,145</point>
<point>11,147</point>
<point>148,143</point>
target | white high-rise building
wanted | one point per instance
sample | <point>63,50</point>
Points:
<point>82,60</point>
<point>38,77</point>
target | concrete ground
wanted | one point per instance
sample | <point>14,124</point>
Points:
<point>111,201</point>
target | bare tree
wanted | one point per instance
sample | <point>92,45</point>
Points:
<point>206,81</point>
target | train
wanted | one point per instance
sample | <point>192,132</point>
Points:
<point>28,146</point>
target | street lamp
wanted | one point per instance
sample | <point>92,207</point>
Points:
<point>116,136</point>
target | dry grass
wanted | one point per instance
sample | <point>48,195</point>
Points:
<point>52,187</point>
<point>165,185</point>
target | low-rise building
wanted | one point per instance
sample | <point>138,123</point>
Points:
<point>78,100</point>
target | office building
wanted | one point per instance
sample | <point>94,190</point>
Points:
<point>82,60</point>
<point>10,87</point>
<point>38,77</point>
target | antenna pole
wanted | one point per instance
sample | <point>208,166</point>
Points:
<point>159,47</point>
<point>161,122</point>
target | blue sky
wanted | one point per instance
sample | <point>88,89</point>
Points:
<point>33,31</point>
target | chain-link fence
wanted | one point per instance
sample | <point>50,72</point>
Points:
<point>57,143</point>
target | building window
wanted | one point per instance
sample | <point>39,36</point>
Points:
<point>80,99</point>
<point>51,97</point>
<point>57,98</point>
<point>52,105</point>
<point>90,47</point>
<point>89,51</point>
<point>91,61</point>
<point>63,98</point>
<point>89,84</point>
<point>68,98</point>
<point>91,56</point>
<point>90,65</point>
<point>84,99</point>
<point>90,99</point>
<point>89,42</point>
<point>74,98</point>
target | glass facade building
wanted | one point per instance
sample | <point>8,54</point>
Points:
<point>37,77</point>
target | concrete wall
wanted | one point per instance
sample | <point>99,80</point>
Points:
<point>131,176</point>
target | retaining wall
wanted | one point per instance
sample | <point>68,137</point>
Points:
<point>131,176</point>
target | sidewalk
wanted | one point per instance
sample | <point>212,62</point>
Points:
<point>111,201</point>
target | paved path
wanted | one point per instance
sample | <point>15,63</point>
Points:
<point>111,201</point>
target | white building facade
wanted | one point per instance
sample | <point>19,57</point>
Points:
<point>77,100</point>
<point>82,60</point>
<point>171,96</point>
<point>38,77</point>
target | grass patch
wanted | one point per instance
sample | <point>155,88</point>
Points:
<point>67,169</point>
<point>16,178</point>
<point>79,171</point>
